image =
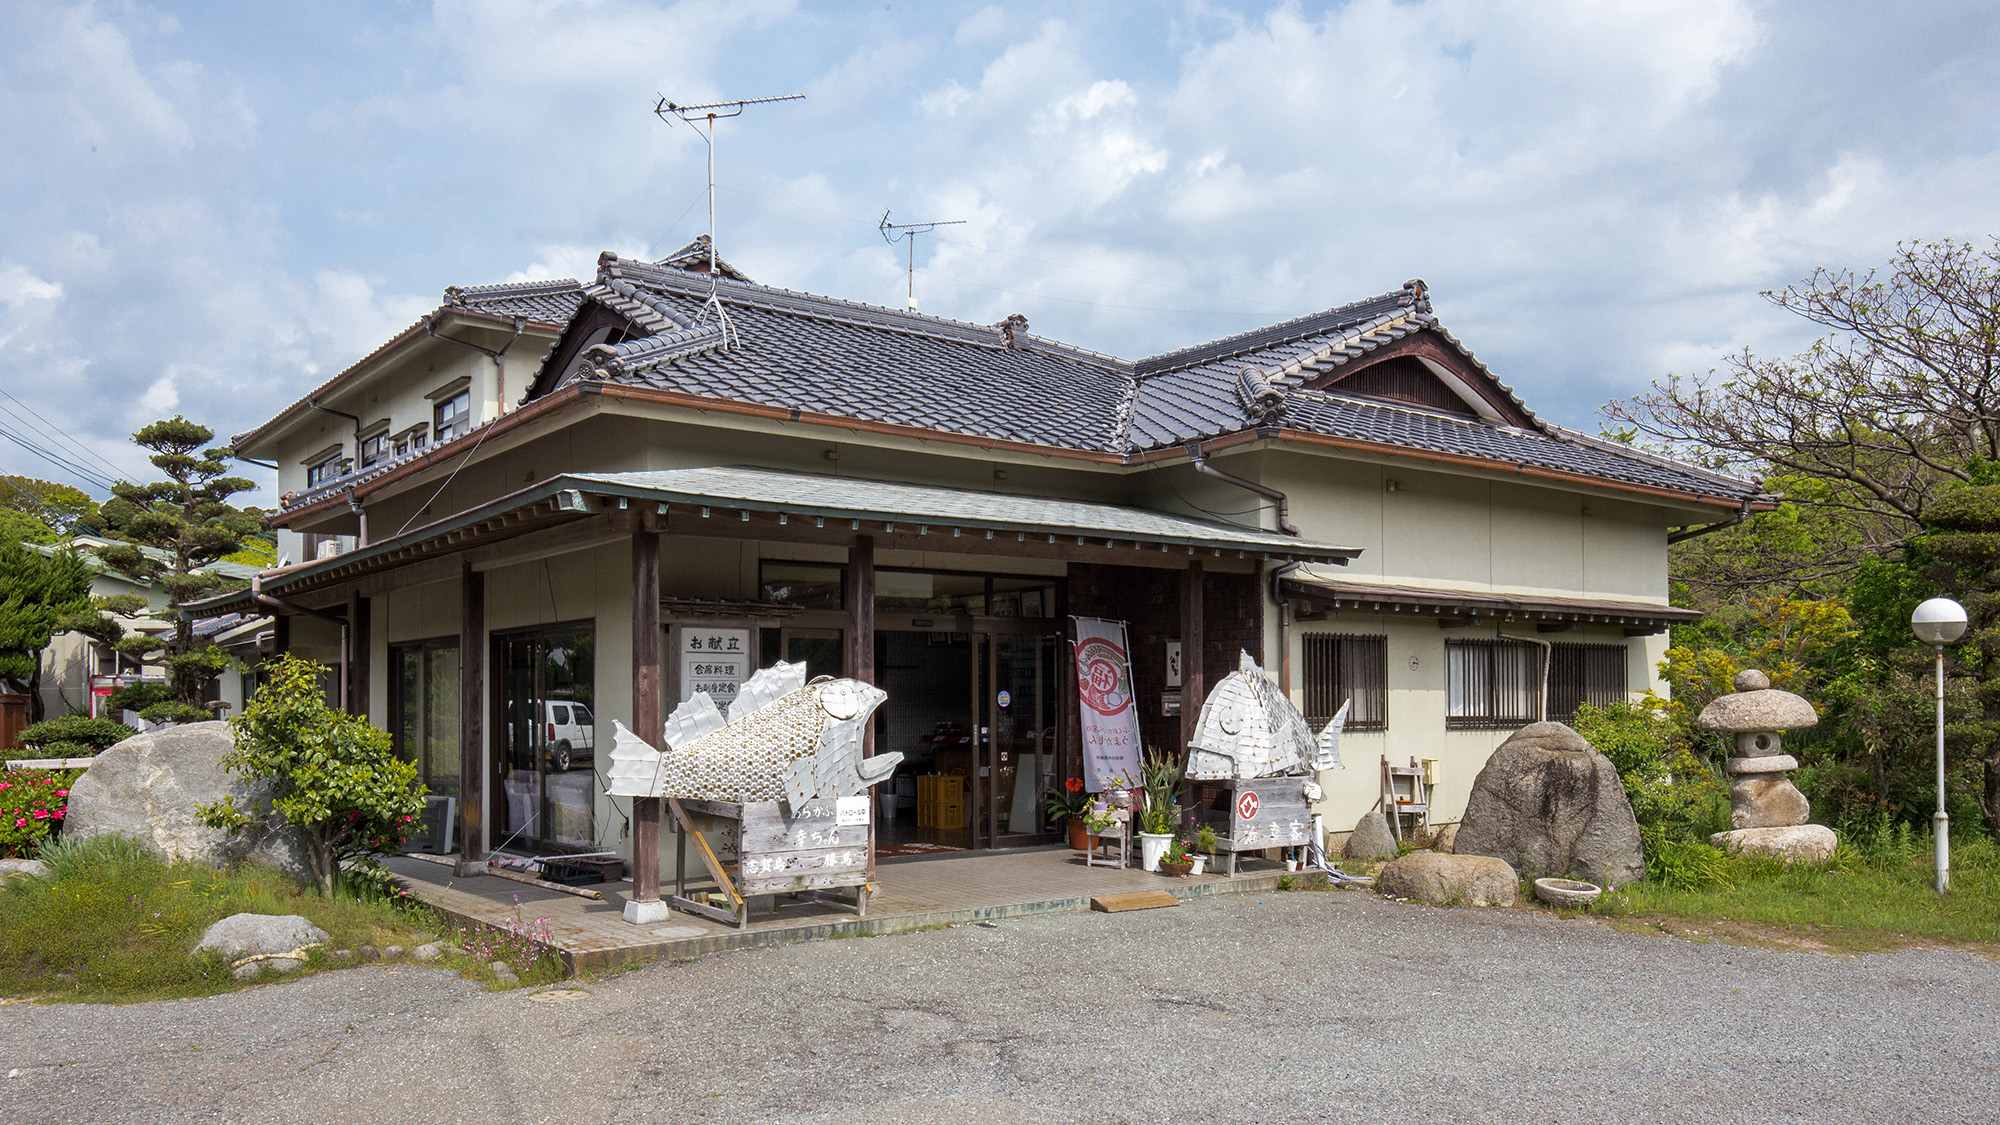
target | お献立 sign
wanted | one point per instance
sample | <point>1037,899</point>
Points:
<point>1104,690</point>
<point>716,661</point>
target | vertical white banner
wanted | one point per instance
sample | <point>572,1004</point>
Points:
<point>1106,697</point>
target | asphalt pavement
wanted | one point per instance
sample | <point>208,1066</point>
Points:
<point>1289,1007</point>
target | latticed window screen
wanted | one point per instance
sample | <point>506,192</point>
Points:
<point>1493,685</point>
<point>1579,674</point>
<point>1342,667</point>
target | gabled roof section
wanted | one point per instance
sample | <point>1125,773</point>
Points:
<point>694,258</point>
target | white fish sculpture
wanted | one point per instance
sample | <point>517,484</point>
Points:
<point>784,738</point>
<point>1248,728</point>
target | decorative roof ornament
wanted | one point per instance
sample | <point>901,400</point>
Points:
<point>1248,728</point>
<point>785,739</point>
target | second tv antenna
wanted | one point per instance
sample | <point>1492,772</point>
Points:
<point>710,113</point>
<point>894,232</point>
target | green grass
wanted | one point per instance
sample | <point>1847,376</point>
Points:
<point>1880,898</point>
<point>111,922</point>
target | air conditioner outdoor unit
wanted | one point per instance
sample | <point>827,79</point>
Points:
<point>437,826</point>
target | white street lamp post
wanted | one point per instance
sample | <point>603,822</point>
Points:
<point>1938,622</point>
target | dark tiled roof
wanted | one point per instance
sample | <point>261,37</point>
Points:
<point>549,302</point>
<point>819,355</point>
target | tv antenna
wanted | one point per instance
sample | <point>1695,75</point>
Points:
<point>695,115</point>
<point>895,232</point>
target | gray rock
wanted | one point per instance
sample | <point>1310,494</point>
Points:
<point>1769,763</point>
<point>1757,710</point>
<point>1766,800</point>
<point>1804,843</point>
<point>1750,679</point>
<point>503,974</point>
<point>391,952</point>
<point>240,935</point>
<point>33,867</point>
<point>1371,838</point>
<point>147,787</point>
<point>429,951</point>
<point>1546,809</point>
<point>342,955</point>
<point>1446,839</point>
<point>367,952</point>
<point>1450,880</point>
<point>251,970</point>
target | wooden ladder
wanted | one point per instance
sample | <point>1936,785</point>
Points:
<point>1405,795</point>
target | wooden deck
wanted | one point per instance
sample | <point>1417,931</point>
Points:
<point>915,893</point>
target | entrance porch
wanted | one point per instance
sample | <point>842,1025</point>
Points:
<point>912,894</point>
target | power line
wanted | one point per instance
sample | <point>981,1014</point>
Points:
<point>86,451</point>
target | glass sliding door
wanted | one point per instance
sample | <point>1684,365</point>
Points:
<point>424,705</point>
<point>1017,724</point>
<point>546,757</point>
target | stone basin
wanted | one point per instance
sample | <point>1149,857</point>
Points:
<point>1567,892</point>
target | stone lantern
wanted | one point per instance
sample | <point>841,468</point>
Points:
<point>1767,813</point>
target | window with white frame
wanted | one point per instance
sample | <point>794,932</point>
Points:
<point>324,471</point>
<point>452,416</point>
<point>375,447</point>
<point>1492,685</point>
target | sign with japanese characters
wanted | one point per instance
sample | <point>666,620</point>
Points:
<point>716,661</point>
<point>1104,688</point>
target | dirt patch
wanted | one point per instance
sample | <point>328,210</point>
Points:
<point>1765,935</point>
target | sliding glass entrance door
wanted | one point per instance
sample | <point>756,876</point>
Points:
<point>545,791</point>
<point>1018,716</point>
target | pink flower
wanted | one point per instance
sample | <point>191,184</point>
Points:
<point>21,822</point>
<point>62,792</point>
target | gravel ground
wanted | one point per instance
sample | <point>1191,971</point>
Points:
<point>1293,1007</point>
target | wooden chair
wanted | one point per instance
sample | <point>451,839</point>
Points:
<point>1404,795</point>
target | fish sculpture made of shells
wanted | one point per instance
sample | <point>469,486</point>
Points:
<point>784,739</point>
<point>1248,728</point>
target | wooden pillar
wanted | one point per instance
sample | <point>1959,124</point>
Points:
<point>859,593</point>
<point>646,717</point>
<point>359,617</point>
<point>281,636</point>
<point>860,597</point>
<point>471,722</point>
<point>1193,690</point>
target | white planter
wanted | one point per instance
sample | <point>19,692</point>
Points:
<point>1200,865</point>
<point>1153,845</point>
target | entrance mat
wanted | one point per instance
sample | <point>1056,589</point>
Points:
<point>892,851</point>
<point>1135,900</point>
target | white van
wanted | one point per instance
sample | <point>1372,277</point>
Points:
<point>571,733</point>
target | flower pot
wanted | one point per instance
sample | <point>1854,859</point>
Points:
<point>1079,838</point>
<point>1200,863</point>
<point>1169,867</point>
<point>1153,845</point>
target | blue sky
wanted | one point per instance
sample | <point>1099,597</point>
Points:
<point>210,208</point>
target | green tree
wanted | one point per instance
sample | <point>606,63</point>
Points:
<point>41,511</point>
<point>174,529</point>
<point>40,595</point>
<point>332,776</point>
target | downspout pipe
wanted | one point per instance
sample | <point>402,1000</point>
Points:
<point>258,596</point>
<point>1687,533</point>
<point>361,514</point>
<point>313,404</point>
<point>498,357</point>
<point>1199,458</point>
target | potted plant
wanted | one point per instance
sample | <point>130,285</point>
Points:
<point>1068,806</point>
<point>1100,821</point>
<point>1177,860</point>
<point>1161,775</point>
<point>1204,844</point>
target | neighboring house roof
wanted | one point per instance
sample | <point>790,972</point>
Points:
<point>549,304</point>
<point>1444,603</point>
<point>84,546</point>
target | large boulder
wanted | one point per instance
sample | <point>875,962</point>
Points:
<point>1370,839</point>
<point>147,787</point>
<point>241,935</point>
<point>1450,880</point>
<point>1549,804</point>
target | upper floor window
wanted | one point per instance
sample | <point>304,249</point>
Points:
<point>374,448</point>
<point>1346,668</point>
<point>452,416</point>
<point>1492,685</point>
<point>324,471</point>
<point>1579,674</point>
<point>412,438</point>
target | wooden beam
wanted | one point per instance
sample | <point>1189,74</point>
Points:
<point>359,618</point>
<point>471,722</point>
<point>646,716</point>
<point>1192,644</point>
<point>860,596</point>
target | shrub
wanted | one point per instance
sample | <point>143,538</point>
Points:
<point>332,777</point>
<point>32,806</point>
<point>95,734</point>
<point>174,711</point>
<point>1674,794</point>
<point>138,697</point>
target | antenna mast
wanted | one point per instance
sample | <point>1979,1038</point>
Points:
<point>895,232</point>
<point>710,113</point>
